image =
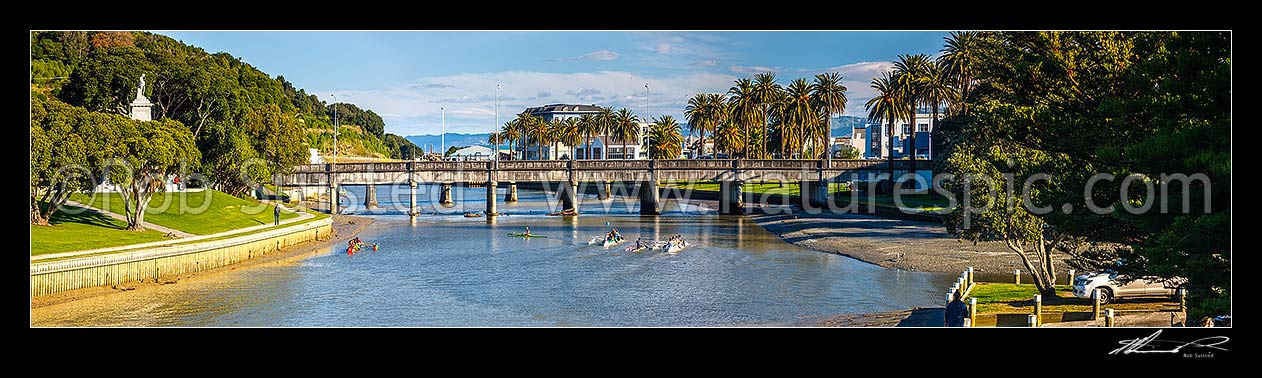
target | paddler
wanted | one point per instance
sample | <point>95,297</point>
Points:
<point>527,232</point>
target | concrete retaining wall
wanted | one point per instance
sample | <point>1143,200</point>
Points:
<point>58,276</point>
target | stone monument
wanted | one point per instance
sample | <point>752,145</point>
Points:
<point>141,108</point>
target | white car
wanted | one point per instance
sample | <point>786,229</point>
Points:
<point>1111,287</point>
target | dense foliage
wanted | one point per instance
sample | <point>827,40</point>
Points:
<point>233,111</point>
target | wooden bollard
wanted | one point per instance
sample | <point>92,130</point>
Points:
<point>963,285</point>
<point>1071,277</point>
<point>1038,309</point>
<point>1016,276</point>
<point>1183,299</point>
<point>970,275</point>
<point>972,312</point>
<point>1095,303</point>
<point>1031,321</point>
<point>1108,318</point>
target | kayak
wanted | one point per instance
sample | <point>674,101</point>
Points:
<point>674,248</point>
<point>633,249</point>
<point>526,236</point>
<point>595,240</point>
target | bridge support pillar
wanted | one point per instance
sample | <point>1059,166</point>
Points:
<point>511,196</point>
<point>812,194</point>
<point>603,190</point>
<point>490,198</point>
<point>370,196</point>
<point>569,195</point>
<point>333,197</point>
<point>412,210</point>
<point>731,198</point>
<point>649,198</point>
<point>445,195</point>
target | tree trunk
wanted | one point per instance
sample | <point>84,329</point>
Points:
<point>911,139</point>
<point>890,132</point>
<point>932,128</point>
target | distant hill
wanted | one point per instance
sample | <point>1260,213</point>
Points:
<point>844,125</point>
<point>453,139</point>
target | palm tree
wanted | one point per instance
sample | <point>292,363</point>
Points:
<point>570,135</point>
<point>510,133</point>
<point>766,93</point>
<point>699,118</point>
<point>555,130</point>
<point>909,73</point>
<point>830,98</point>
<point>604,122</point>
<point>587,126</point>
<point>886,105</point>
<point>728,136</point>
<point>937,89</point>
<point>494,139</point>
<point>959,60</point>
<point>626,127</point>
<point>745,109</point>
<point>666,141</point>
<point>798,112</point>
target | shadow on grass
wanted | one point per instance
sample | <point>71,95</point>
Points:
<point>83,216</point>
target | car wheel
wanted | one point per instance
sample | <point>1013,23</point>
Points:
<point>1106,295</point>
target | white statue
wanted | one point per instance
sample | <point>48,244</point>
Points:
<point>140,92</point>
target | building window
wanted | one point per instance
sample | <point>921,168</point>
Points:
<point>906,129</point>
<point>924,127</point>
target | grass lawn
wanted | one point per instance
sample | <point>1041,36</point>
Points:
<point>317,216</point>
<point>86,230</point>
<point>223,212</point>
<point>1013,298</point>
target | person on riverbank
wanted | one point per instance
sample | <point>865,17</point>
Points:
<point>956,312</point>
<point>276,214</point>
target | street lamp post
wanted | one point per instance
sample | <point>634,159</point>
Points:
<point>334,199</point>
<point>497,123</point>
<point>442,139</point>
<point>648,151</point>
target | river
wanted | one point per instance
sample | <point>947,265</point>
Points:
<point>448,270</point>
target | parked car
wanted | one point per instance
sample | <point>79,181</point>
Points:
<point>1111,286</point>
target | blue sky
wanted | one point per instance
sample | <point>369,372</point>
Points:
<point>407,76</point>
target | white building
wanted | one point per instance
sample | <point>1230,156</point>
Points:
<point>877,144</point>
<point>614,150</point>
<point>471,153</point>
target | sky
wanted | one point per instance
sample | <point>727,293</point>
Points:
<point>410,77</point>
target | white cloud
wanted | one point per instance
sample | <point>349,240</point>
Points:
<point>663,48</point>
<point>598,55</point>
<point>408,110</point>
<point>706,63</point>
<point>750,69</point>
<point>857,77</point>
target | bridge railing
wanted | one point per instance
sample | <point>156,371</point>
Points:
<point>611,164</point>
<point>534,165</point>
<point>779,164</point>
<point>451,165</point>
<point>694,164</point>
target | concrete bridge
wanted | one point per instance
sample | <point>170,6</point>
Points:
<point>811,175</point>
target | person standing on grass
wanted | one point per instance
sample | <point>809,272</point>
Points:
<point>276,214</point>
<point>956,312</point>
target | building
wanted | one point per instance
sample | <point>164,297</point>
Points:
<point>314,156</point>
<point>877,144</point>
<point>471,153</point>
<point>549,113</point>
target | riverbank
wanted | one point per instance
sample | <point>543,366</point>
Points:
<point>344,228</point>
<point>892,243</point>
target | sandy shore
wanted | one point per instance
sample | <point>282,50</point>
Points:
<point>344,228</point>
<point>892,243</point>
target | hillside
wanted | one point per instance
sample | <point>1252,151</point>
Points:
<point>230,107</point>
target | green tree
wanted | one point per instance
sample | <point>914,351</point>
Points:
<point>145,154</point>
<point>626,128</point>
<point>65,148</point>
<point>588,126</point>
<point>887,106</point>
<point>605,120</point>
<point>910,76</point>
<point>829,97</point>
<point>767,93</point>
<point>570,135</point>
<point>705,112</point>
<point>277,138</point>
<point>665,139</point>
<point>511,132</point>
<point>798,112</point>
<point>451,150</point>
<point>107,80</point>
<point>746,111</point>
<point>849,152</point>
